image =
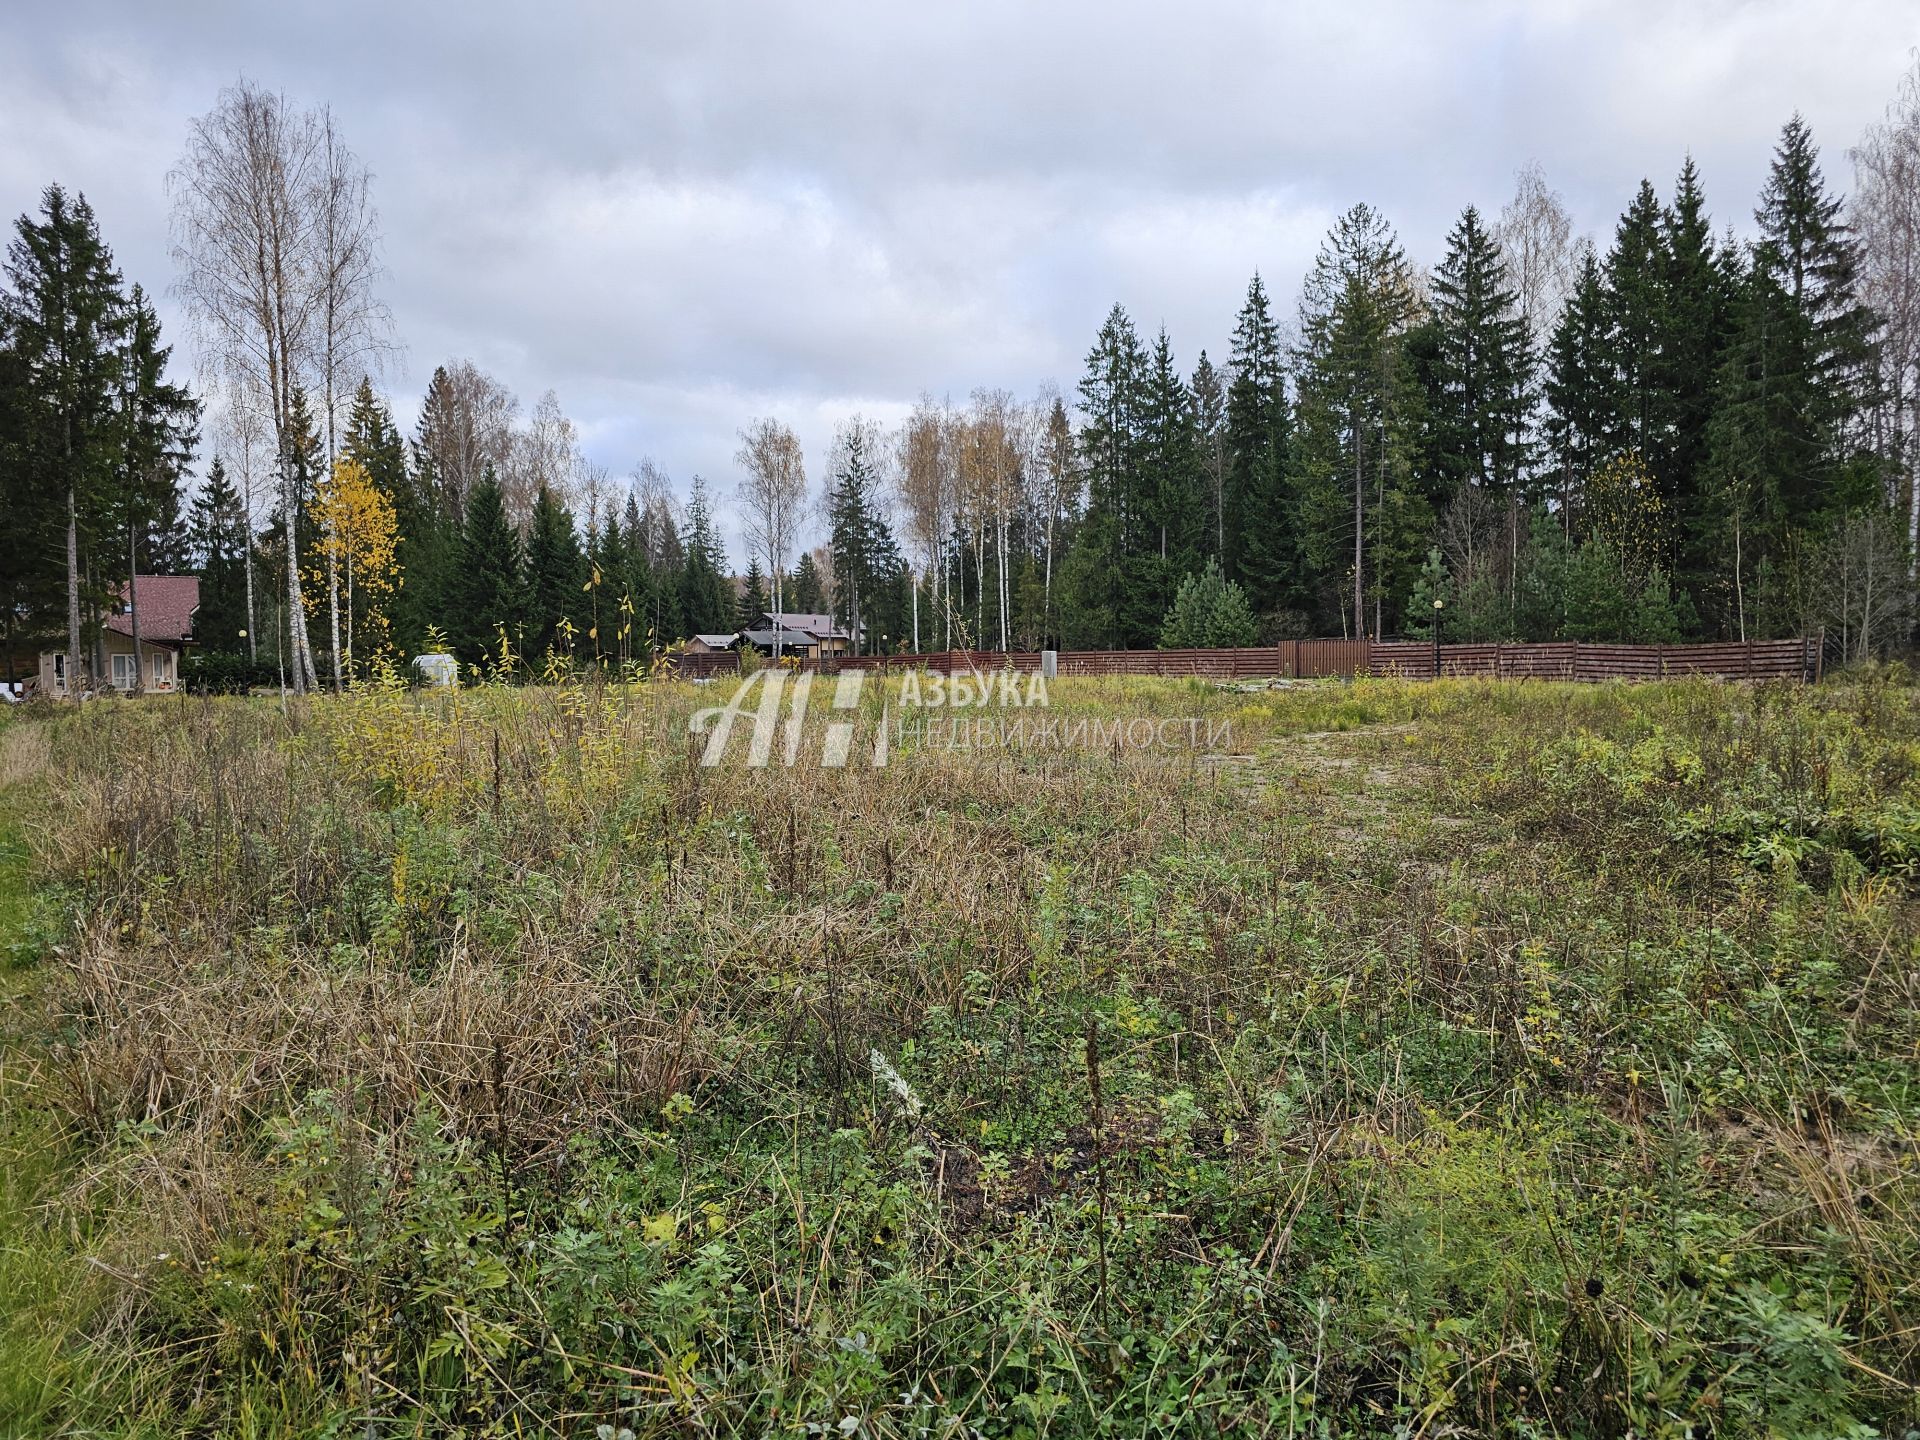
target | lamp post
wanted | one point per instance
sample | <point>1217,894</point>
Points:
<point>1438,606</point>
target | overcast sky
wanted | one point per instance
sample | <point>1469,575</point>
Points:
<point>682,216</point>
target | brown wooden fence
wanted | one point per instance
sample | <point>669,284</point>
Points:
<point>1310,659</point>
<point>1797,659</point>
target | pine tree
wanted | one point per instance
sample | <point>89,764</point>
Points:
<point>1484,365</point>
<point>484,590</point>
<point>1432,597</point>
<point>555,571</point>
<point>1208,612</point>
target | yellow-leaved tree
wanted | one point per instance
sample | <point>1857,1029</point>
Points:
<point>1624,509</point>
<point>356,523</point>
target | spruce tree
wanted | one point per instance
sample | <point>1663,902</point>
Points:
<point>1101,573</point>
<point>1811,255</point>
<point>1484,366</point>
<point>706,599</point>
<point>1695,304</point>
<point>804,593</point>
<point>1634,286</point>
<point>218,534</point>
<point>1210,440</point>
<point>753,596</point>
<point>866,558</point>
<point>1357,512</point>
<point>158,428</point>
<point>65,318</point>
<point>1254,521</point>
<point>31,576</point>
<point>484,589</point>
<point>1783,452</point>
<point>1174,510</point>
<point>555,571</point>
<point>1582,422</point>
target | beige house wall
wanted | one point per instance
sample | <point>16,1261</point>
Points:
<point>161,664</point>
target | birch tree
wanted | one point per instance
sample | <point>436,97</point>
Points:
<point>1886,221</point>
<point>928,486</point>
<point>354,323</point>
<point>248,243</point>
<point>773,496</point>
<point>1535,235</point>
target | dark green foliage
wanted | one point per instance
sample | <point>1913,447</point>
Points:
<point>706,598</point>
<point>1114,556</point>
<point>225,672</point>
<point>753,596</point>
<point>1259,546</point>
<point>65,320</point>
<point>1213,454</point>
<point>158,428</point>
<point>485,591</point>
<point>555,573</point>
<point>1434,585</point>
<point>1697,296</point>
<point>1209,612</point>
<point>1483,366</point>
<point>1358,507</point>
<point>1170,493</point>
<point>804,593</point>
<point>866,558</point>
<point>1582,424</point>
<point>1633,277</point>
<point>218,531</point>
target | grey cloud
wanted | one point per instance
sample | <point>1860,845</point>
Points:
<point>678,216</point>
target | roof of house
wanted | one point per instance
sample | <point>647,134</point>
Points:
<point>166,604</point>
<point>718,642</point>
<point>789,638</point>
<point>822,626</point>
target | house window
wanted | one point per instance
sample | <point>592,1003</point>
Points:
<point>123,672</point>
<point>159,661</point>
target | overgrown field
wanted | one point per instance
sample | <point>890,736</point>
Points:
<point>1446,1059</point>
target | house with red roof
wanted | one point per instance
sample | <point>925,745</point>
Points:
<point>165,605</point>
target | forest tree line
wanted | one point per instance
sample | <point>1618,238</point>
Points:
<point>1672,435</point>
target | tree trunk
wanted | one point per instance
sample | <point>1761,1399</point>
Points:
<point>73,585</point>
<point>1359,533</point>
<point>133,604</point>
<point>246,560</point>
<point>333,603</point>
